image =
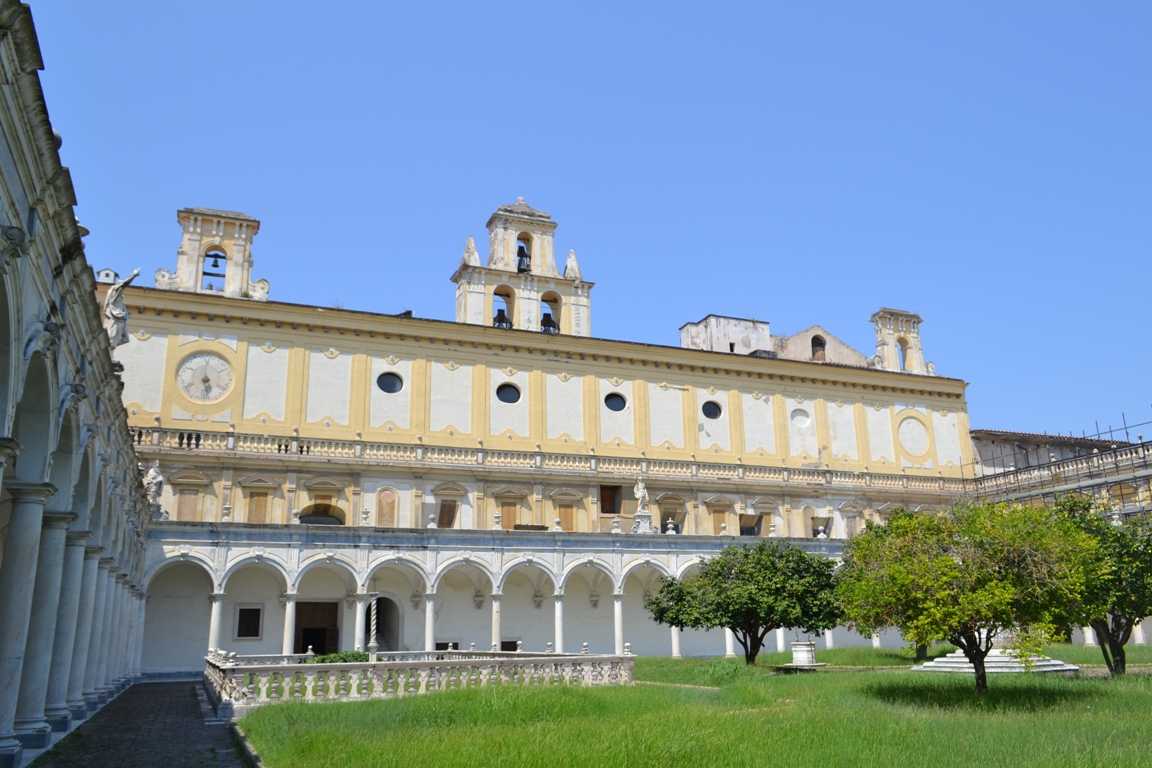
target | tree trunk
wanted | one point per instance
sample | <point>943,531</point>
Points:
<point>1112,637</point>
<point>981,674</point>
<point>752,648</point>
<point>921,653</point>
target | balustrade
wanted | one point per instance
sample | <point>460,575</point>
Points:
<point>237,688</point>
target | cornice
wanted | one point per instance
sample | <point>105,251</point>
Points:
<point>155,302</point>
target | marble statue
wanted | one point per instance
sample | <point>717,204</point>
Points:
<point>153,487</point>
<point>115,313</point>
<point>642,521</point>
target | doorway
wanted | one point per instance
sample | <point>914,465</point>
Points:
<point>317,625</point>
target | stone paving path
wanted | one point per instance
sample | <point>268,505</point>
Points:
<point>150,724</point>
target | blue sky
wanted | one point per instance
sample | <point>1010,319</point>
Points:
<point>987,165</point>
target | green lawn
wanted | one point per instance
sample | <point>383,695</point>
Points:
<point>752,717</point>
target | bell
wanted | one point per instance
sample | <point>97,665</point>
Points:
<point>215,262</point>
<point>501,320</point>
<point>548,325</point>
<point>523,260</point>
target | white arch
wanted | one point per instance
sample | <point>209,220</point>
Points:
<point>683,569</point>
<point>398,559</point>
<point>175,558</point>
<point>273,563</point>
<point>522,563</point>
<point>594,562</point>
<point>322,558</point>
<point>457,561</point>
<point>636,565</point>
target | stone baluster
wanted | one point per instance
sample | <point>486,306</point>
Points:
<point>17,578</point>
<point>32,729</point>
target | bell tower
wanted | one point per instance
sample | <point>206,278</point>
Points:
<point>521,287</point>
<point>898,342</point>
<point>215,255</point>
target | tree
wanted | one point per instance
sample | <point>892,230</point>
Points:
<point>967,575</point>
<point>752,591</point>
<point>1118,589</point>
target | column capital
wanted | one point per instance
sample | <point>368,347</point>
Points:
<point>106,562</point>
<point>9,447</point>
<point>288,597</point>
<point>496,595</point>
<point>24,491</point>
<point>113,569</point>
<point>91,553</point>
<point>558,594</point>
<point>78,537</point>
<point>122,577</point>
<point>57,519</point>
<point>215,597</point>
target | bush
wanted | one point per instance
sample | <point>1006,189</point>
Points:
<point>348,657</point>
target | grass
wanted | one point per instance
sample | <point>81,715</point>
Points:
<point>751,717</point>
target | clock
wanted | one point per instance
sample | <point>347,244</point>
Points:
<point>204,378</point>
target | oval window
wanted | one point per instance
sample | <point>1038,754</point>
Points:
<point>508,393</point>
<point>615,402</point>
<point>390,383</point>
<point>711,410</point>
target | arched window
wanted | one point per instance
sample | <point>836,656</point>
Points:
<point>503,302</point>
<point>550,313</point>
<point>386,508</point>
<point>902,346</point>
<point>524,252</point>
<point>214,271</point>
<point>818,345</point>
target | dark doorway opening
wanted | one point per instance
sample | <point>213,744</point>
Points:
<point>317,625</point>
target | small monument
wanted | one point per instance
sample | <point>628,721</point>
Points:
<point>642,520</point>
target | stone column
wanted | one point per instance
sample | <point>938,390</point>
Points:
<point>1138,635</point>
<point>103,642</point>
<point>829,639</point>
<point>289,642</point>
<point>138,654</point>
<point>216,620</point>
<point>430,621</point>
<point>729,643</point>
<point>361,606</point>
<point>558,621</point>
<point>876,640</point>
<point>92,665</point>
<point>108,636</point>
<point>32,729</point>
<point>56,710</point>
<point>618,622</point>
<point>17,579</point>
<point>123,630</point>
<point>77,674</point>
<point>781,641</point>
<point>496,620</point>
<point>676,643</point>
<point>1089,635</point>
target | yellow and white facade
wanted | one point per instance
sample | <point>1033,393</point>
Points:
<point>264,416</point>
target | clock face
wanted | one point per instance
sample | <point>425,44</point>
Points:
<point>204,378</point>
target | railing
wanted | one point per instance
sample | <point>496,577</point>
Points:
<point>236,689</point>
<point>184,440</point>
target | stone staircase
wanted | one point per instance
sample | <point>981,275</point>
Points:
<point>997,661</point>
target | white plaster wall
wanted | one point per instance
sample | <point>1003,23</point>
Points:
<point>329,386</point>
<point>712,431</point>
<point>176,620</point>
<point>252,586</point>
<point>451,397</point>
<point>880,432</point>
<point>383,407</point>
<point>457,619</point>
<point>144,366</point>
<point>266,381</point>
<point>513,416</point>
<point>759,423</point>
<point>947,432</point>
<point>616,424</point>
<point>564,403</point>
<point>842,430</point>
<point>802,427</point>
<point>369,488</point>
<point>666,415</point>
<point>393,582</point>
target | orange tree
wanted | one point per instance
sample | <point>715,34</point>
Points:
<point>752,591</point>
<point>968,575</point>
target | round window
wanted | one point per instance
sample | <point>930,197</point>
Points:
<point>615,402</point>
<point>711,410</point>
<point>390,383</point>
<point>508,393</point>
